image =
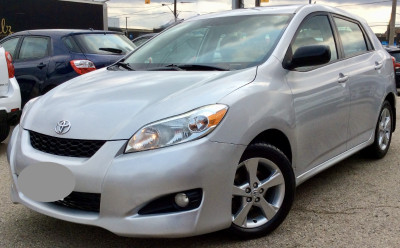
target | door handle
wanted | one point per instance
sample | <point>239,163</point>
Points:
<point>378,65</point>
<point>41,65</point>
<point>342,78</point>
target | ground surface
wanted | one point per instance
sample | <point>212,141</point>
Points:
<point>356,203</point>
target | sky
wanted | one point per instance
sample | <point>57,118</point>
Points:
<point>154,15</point>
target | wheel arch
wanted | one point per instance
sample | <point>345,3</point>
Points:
<point>276,138</point>
<point>391,98</point>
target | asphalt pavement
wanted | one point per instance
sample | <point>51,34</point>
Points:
<point>355,203</point>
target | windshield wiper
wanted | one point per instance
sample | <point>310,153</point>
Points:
<point>124,65</point>
<point>170,67</point>
<point>110,49</point>
<point>188,67</point>
<point>198,67</point>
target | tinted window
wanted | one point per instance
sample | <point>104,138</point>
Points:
<point>105,43</point>
<point>34,48</point>
<point>316,31</point>
<point>11,45</point>
<point>352,37</point>
<point>396,55</point>
<point>71,44</point>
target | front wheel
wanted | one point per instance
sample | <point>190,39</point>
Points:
<point>263,191</point>
<point>383,133</point>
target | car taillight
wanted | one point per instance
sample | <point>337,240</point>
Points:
<point>82,66</point>
<point>394,62</point>
<point>10,66</point>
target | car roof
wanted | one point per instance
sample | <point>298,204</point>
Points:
<point>63,32</point>
<point>279,9</point>
<point>392,49</point>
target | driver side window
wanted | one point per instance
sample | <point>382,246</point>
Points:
<point>315,31</point>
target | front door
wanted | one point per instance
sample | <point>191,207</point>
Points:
<point>320,98</point>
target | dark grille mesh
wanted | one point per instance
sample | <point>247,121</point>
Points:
<point>81,201</point>
<point>65,147</point>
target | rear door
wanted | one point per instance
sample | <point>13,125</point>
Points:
<point>31,65</point>
<point>365,77</point>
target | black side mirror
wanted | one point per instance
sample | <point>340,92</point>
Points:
<point>309,56</point>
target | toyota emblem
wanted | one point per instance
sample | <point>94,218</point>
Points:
<point>63,127</point>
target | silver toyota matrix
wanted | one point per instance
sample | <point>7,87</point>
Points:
<point>210,125</point>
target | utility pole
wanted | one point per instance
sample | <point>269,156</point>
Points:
<point>175,10</point>
<point>126,26</point>
<point>392,32</point>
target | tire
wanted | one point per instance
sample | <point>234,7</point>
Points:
<point>4,126</point>
<point>383,133</point>
<point>263,191</point>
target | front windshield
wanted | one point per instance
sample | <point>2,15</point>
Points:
<point>230,43</point>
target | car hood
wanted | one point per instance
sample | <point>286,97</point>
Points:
<point>113,105</point>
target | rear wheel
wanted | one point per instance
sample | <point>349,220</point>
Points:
<point>383,133</point>
<point>4,126</point>
<point>263,191</point>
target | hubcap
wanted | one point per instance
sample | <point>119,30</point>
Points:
<point>255,207</point>
<point>385,129</point>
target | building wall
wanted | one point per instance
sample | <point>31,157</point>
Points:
<point>19,15</point>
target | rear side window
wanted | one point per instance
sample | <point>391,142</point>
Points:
<point>10,46</point>
<point>71,44</point>
<point>34,48</point>
<point>352,37</point>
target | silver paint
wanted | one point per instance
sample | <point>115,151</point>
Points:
<point>324,120</point>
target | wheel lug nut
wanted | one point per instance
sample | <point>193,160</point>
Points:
<point>249,199</point>
<point>257,199</point>
<point>261,191</point>
<point>255,185</point>
<point>248,190</point>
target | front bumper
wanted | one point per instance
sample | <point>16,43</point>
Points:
<point>127,182</point>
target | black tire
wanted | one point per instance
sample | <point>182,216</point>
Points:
<point>264,157</point>
<point>378,150</point>
<point>4,126</point>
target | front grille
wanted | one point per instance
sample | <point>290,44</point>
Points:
<point>65,147</point>
<point>81,201</point>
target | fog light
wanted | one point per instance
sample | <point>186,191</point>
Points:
<point>181,200</point>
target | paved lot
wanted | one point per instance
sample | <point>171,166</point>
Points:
<point>353,204</point>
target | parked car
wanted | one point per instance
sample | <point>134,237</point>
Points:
<point>209,125</point>
<point>142,39</point>
<point>395,53</point>
<point>10,96</point>
<point>44,59</point>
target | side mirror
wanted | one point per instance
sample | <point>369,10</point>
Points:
<point>309,56</point>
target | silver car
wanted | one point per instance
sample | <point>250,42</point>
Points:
<point>210,125</point>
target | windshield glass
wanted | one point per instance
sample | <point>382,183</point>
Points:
<point>231,43</point>
<point>105,43</point>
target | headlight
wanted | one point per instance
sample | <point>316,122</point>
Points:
<point>179,129</point>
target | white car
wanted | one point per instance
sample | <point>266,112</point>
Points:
<point>209,125</point>
<point>10,95</point>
